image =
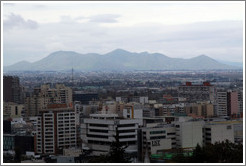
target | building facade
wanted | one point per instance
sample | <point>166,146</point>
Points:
<point>99,131</point>
<point>194,93</point>
<point>218,132</point>
<point>221,109</point>
<point>45,95</point>
<point>12,91</point>
<point>56,129</point>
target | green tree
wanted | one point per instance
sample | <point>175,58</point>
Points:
<point>117,152</point>
<point>198,154</point>
<point>220,152</point>
<point>223,152</point>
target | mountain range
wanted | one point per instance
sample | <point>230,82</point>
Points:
<point>117,60</point>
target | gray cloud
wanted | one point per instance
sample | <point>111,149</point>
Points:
<point>105,18</point>
<point>16,21</point>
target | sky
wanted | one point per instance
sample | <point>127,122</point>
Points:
<point>33,30</point>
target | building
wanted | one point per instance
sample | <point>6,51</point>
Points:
<point>133,112</point>
<point>99,131</point>
<point>218,132</point>
<point>198,110</point>
<point>197,92</point>
<point>84,98</point>
<point>45,95</point>
<point>171,109</point>
<point>24,143</point>
<point>8,142</point>
<point>12,110</point>
<point>156,139</point>
<point>56,129</point>
<point>12,91</point>
<point>240,101</point>
<point>221,103</point>
<point>189,134</point>
<point>232,103</point>
<point>6,126</point>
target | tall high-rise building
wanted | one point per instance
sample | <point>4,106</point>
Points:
<point>240,101</point>
<point>221,103</point>
<point>232,101</point>
<point>46,95</point>
<point>12,91</point>
<point>56,130</point>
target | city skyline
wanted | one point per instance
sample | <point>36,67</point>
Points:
<point>175,29</point>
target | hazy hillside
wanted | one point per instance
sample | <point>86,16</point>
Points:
<point>116,60</point>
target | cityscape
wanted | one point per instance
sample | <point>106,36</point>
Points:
<point>119,105</point>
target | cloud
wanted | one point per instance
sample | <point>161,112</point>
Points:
<point>219,40</point>
<point>16,21</point>
<point>8,4</point>
<point>104,18</point>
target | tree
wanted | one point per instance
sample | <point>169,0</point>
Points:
<point>117,152</point>
<point>220,152</point>
<point>198,154</point>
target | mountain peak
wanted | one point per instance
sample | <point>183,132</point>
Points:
<point>203,56</point>
<point>119,51</point>
<point>63,52</point>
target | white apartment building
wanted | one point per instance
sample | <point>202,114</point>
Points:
<point>218,132</point>
<point>98,132</point>
<point>56,129</point>
<point>189,134</point>
<point>221,107</point>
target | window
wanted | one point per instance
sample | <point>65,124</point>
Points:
<point>16,110</point>
<point>100,131</point>
<point>127,136</point>
<point>125,131</point>
<point>228,127</point>
<point>170,133</point>
<point>158,132</point>
<point>126,125</point>
<point>98,125</point>
<point>158,137</point>
<point>97,136</point>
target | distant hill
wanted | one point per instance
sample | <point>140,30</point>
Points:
<point>237,64</point>
<point>115,61</point>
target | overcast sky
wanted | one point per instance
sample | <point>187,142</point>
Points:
<point>31,31</point>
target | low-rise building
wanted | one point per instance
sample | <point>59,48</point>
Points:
<point>156,139</point>
<point>189,134</point>
<point>99,131</point>
<point>218,132</point>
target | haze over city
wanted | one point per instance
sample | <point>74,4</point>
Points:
<point>31,31</point>
<point>123,82</point>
